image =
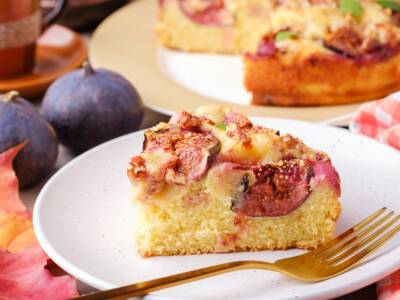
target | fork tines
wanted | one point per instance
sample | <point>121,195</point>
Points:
<point>360,240</point>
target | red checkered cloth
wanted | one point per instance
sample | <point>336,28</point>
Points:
<point>381,120</point>
<point>389,287</point>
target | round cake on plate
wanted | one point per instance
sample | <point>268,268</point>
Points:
<point>295,52</point>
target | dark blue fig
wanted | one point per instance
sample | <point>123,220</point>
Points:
<point>20,122</point>
<point>87,107</point>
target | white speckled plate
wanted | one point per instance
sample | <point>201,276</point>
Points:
<point>84,219</point>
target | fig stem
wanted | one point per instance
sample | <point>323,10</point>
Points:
<point>87,67</point>
<point>10,96</point>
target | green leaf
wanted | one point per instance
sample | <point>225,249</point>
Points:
<point>221,126</point>
<point>351,6</point>
<point>393,5</point>
<point>284,35</point>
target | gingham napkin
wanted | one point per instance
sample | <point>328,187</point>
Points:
<point>389,287</point>
<point>381,120</point>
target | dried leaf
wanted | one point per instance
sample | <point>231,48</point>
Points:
<point>25,239</point>
<point>22,262</point>
<point>12,228</point>
<point>9,196</point>
<point>23,276</point>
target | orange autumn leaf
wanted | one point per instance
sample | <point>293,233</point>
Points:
<point>12,227</point>
<point>23,273</point>
<point>25,239</point>
<point>14,218</point>
<point>9,196</point>
<point>23,276</point>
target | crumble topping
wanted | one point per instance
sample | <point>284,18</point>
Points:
<point>263,173</point>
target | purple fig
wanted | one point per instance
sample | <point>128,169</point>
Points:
<point>87,107</point>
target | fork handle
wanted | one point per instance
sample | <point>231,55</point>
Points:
<point>145,287</point>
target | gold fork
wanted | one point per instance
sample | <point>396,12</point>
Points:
<point>330,260</point>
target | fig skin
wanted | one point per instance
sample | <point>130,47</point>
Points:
<point>87,107</point>
<point>21,122</point>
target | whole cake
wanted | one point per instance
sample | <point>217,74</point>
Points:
<point>296,52</point>
<point>213,182</point>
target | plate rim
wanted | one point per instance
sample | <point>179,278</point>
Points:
<point>388,261</point>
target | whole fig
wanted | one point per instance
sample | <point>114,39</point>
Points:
<point>87,107</point>
<point>21,122</point>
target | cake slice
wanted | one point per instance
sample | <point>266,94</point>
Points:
<point>213,182</point>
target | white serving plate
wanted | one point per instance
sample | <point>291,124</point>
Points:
<point>170,81</point>
<point>214,76</point>
<point>83,219</point>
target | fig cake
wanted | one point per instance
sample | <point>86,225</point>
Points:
<point>211,181</point>
<point>295,52</point>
